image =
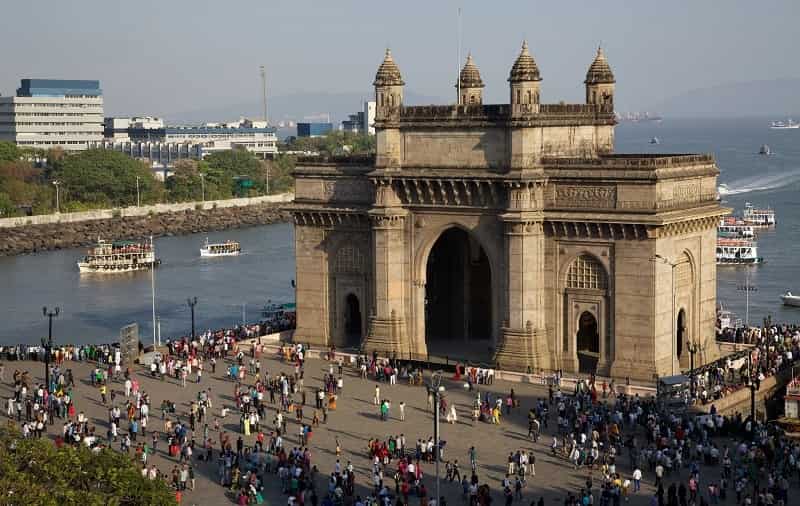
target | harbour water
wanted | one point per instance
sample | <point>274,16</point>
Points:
<point>93,308</point>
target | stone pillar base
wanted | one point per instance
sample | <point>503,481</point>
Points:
<point>516,350</point>
<point>386,336</point>
<point>636,371</point>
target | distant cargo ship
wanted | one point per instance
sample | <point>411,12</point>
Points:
<point>784,125</point>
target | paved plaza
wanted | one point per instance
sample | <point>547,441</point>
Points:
<point>354,421</point>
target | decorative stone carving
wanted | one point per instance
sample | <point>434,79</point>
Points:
<point>603,197</point>
<point>349,260</point>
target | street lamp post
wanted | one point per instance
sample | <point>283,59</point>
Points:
<point>49,344</point>
<point>753,376</point>
<point>437,389</point>
<point>692,348</point>
<point>138,201</point>
<point>747,288</point>
<point>58,204</point>
<point>192,301</point>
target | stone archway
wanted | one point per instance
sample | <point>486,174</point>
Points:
<point>458,297</point>
<point>587,343</point>
<point>352,322</point>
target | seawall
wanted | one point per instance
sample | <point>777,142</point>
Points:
<point>70,230</point>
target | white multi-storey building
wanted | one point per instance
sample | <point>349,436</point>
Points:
<point>362,122</point>
<point>148,138</point>
<point>48,113</point>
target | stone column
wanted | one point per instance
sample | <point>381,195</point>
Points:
<point>520,344</point>
<point>387,326</point>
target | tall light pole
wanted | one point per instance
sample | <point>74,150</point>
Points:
<point>664,260</point>
<point>153,292</point>
<point>437,389</point>
<point>48,345</point>
<point>263,70</point>
<point>138,201</point>
<point>192,301</point>
<point>58,204</point>
<point>747,288</point>
<point>692,348</point>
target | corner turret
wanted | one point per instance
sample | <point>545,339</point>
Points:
<point>470,85</point>
<point>524,79</point>
<point>600,81</point>
<point>388,87</point>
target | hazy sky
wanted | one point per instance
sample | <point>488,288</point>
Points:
<point>166,56</point>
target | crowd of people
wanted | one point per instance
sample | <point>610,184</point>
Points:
<point>620,441</point>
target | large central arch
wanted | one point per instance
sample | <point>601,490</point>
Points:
<point>458,297</point>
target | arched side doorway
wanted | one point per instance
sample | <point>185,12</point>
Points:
<point>352,322</point>
<point>587,346</point>
<point>588,343</point>
<point>458,297</point>
<point>680,333</point>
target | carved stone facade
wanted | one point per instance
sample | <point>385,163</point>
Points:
<point>509,234</point>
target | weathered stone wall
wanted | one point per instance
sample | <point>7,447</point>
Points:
<point>52,236</point>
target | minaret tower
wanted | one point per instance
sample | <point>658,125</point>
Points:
<point>470,84</point>
<point>388,99</point>
<point>600,81</point>
<point>524,79</point>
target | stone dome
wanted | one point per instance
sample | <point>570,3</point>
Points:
<point>388,73</point>
<point>524,68</point>
<point>470,75</point>
<point>599,71</point>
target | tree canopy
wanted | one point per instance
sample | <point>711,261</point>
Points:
<point>98,176</point>
<point>34,471</point>
<point>8,151</point>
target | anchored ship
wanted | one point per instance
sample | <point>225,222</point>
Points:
<point>758,217</point>
<point>222,249</point>
<point>784,125</point>
<point>737,252</point>
<point>118,256</point>
<point>731,227</point>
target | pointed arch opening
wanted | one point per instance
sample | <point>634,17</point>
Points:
<point>458,297</point>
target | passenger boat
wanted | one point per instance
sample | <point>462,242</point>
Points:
<point>737,252</point>
<point>726,319</point>
<point>790,300</point>
<point>119,256</point>
<point>758,217</point>
<point>735,228</point>
<point>222,249</point>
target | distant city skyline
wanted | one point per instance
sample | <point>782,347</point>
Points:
<point>165,58</point>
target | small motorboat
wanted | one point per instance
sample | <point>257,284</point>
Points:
<point>655,140</point>
<point>790,300</point>
<point>764,150</point>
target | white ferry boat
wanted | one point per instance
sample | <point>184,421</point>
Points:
<point>732,227</point>
<point>222,249</point>
<point>737,252</point>
<point>758,217</point>
<point>790,300</point>
<point>118,256</point>
<point>784,125</point>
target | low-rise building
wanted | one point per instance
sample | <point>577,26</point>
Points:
<point>148,138</point>
<point>48,113</point>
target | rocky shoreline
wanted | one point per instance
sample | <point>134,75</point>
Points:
<point>55,236</point>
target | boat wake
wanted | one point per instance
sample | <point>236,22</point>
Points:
<point>759,183</point>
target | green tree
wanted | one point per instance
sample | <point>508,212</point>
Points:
<point>34,471</point>
<point>105,178</point>
<point>7,207</point>
<point>9,151</point>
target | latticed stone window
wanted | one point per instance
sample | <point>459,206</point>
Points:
<point>586,272</point>
<point>349,259</point>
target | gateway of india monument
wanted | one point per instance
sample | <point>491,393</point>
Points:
<point>509,234</point>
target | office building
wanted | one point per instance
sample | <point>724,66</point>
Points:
<point>48,113</point>
<point>313,129</point>
<point>362,122</point>
<point>150,139</point>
